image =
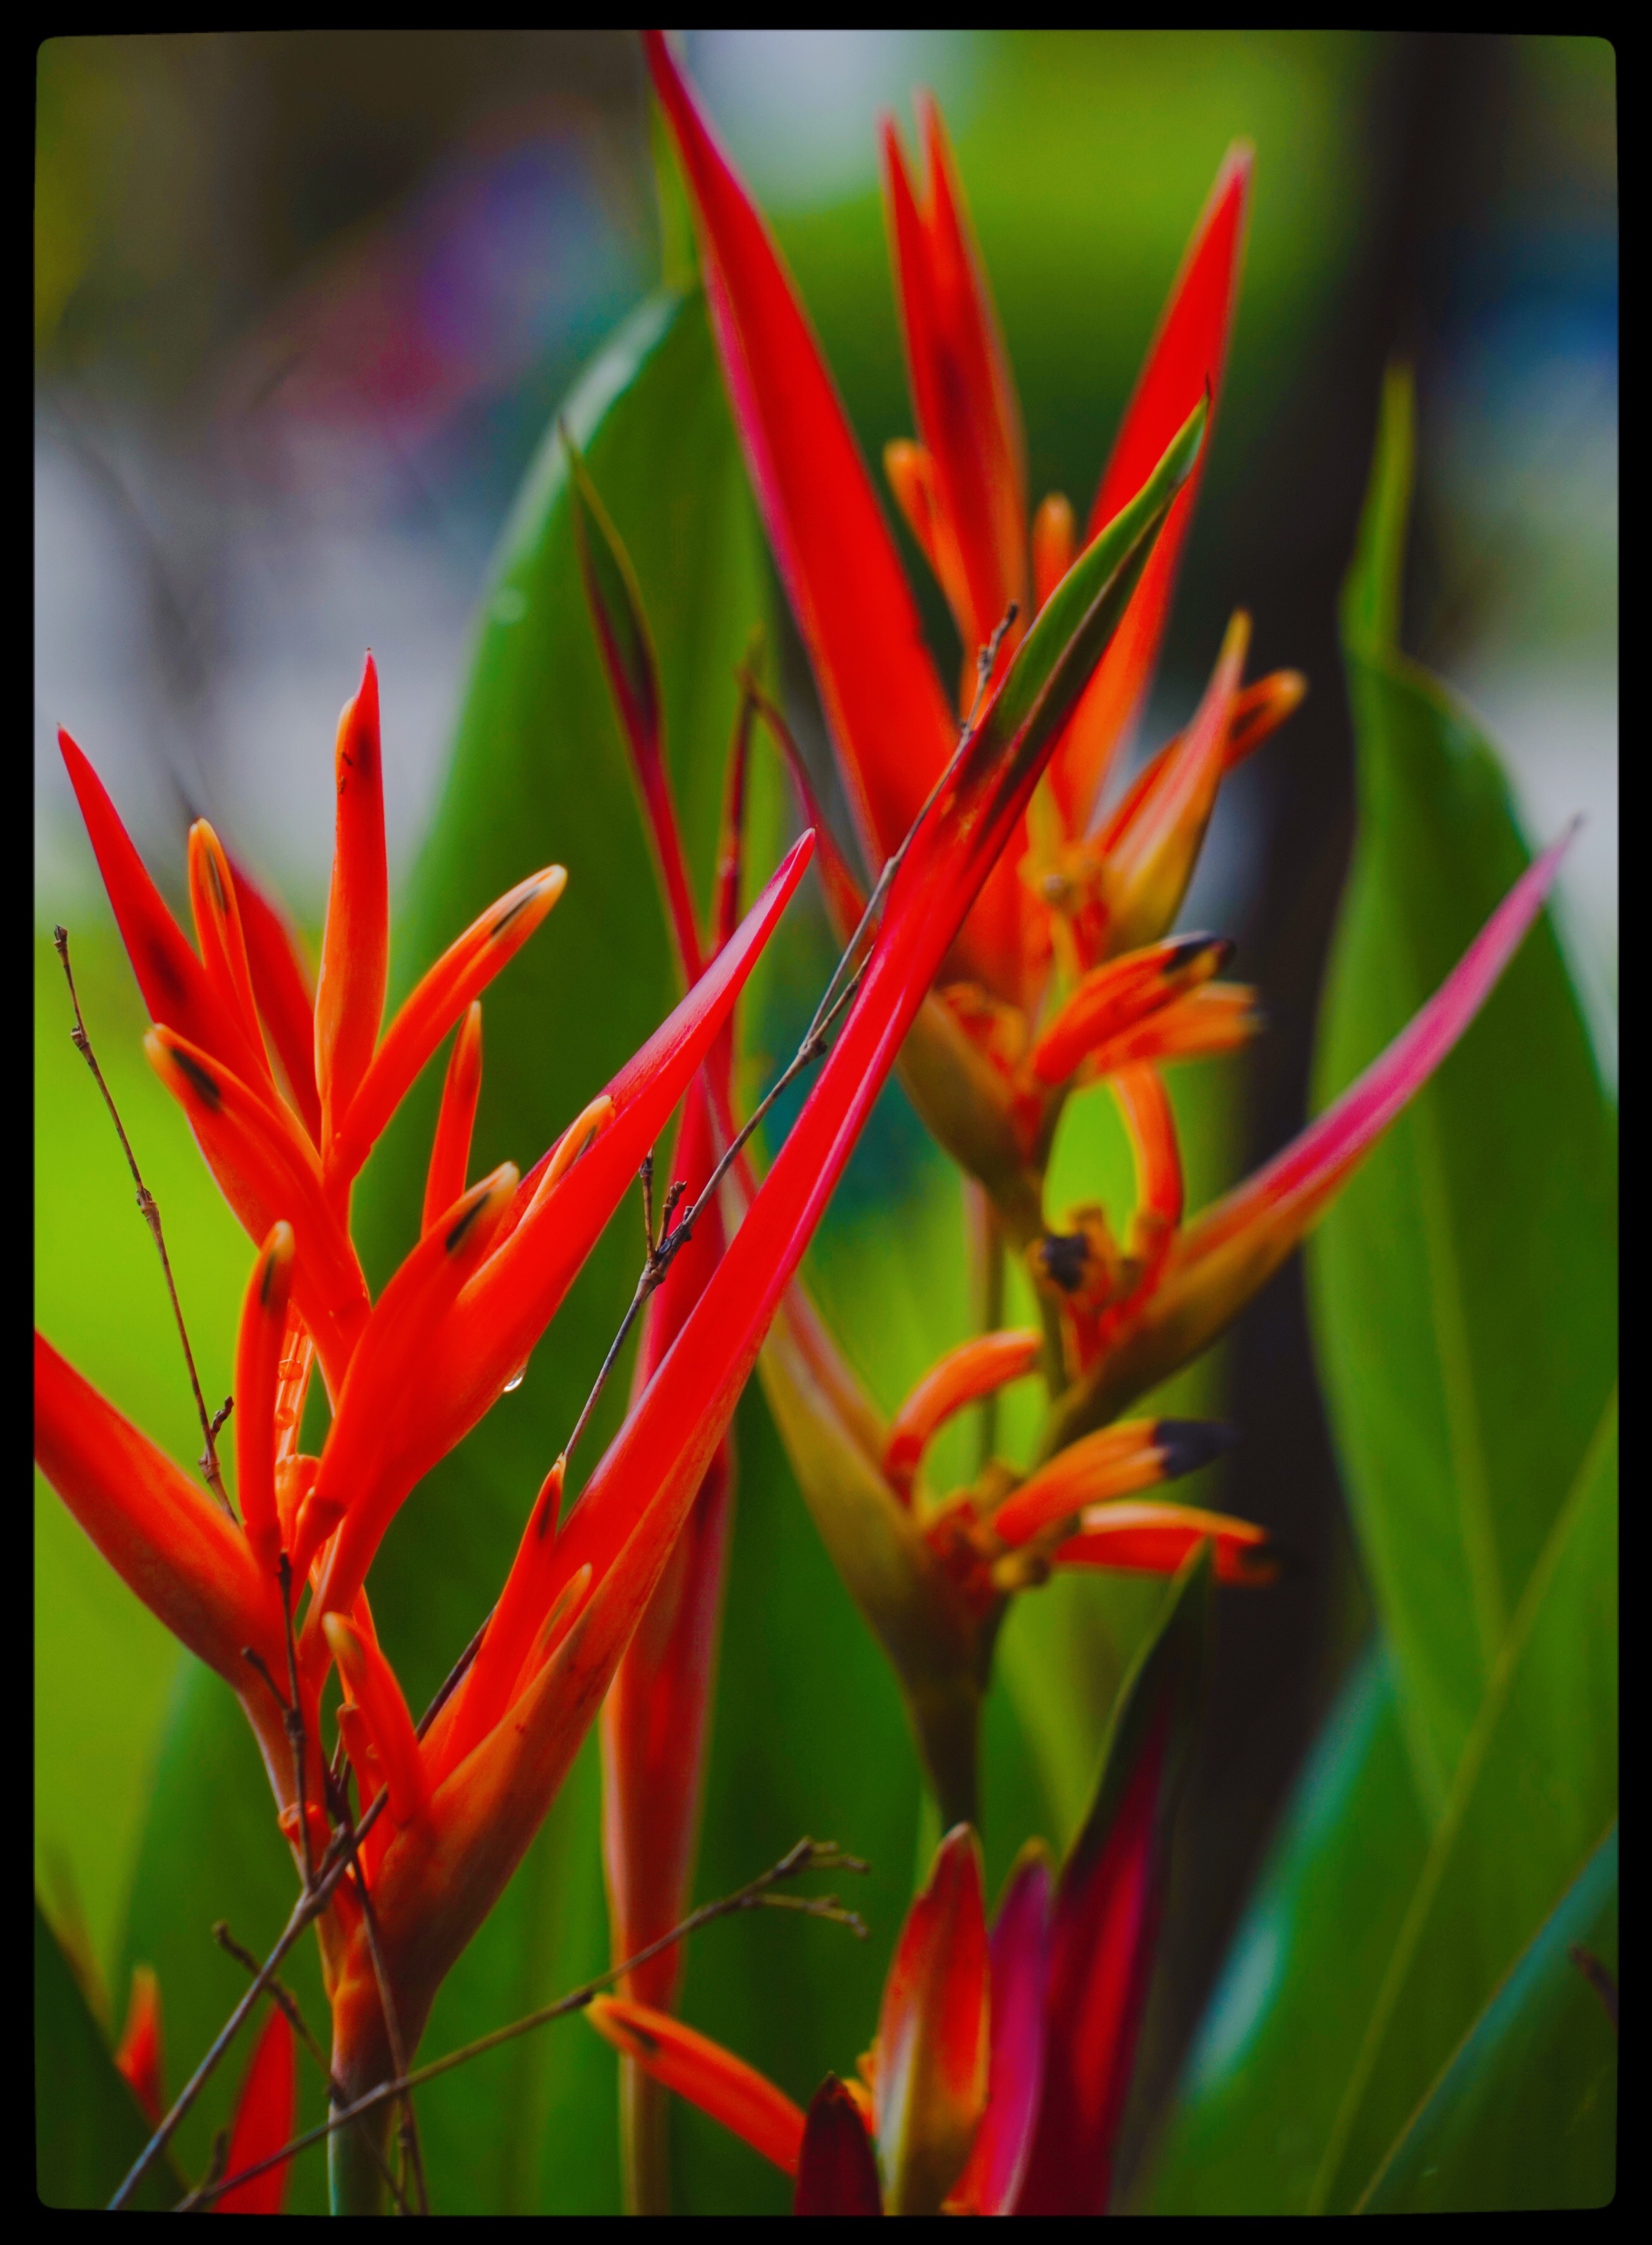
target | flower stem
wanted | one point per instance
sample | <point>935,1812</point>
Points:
<point>645,2141</point>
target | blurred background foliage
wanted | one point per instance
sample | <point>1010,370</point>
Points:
<point>304,307</point>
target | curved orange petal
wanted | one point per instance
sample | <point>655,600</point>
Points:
<point>259,1350</point>
<point>976,1368</point>
<point>218,932</point>
<point>370,1682</point>
<point>733,2094</point>
<point>267,1170</point>
<point>464,968</point>
<point>1154,1539</point>
<point>349,990</point>
<point>1021,1972</point>
<point>1114,997</point>
<point>1138,1454</point>
<point>450,1147</point>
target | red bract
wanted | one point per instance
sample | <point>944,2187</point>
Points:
<point>998,2077</point>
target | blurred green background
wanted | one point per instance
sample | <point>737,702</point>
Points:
<point>304,305</point>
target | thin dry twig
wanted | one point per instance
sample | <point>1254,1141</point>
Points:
<point>807,1856</point>
<point>210,1423</point>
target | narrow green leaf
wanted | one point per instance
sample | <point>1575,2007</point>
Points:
<point>1260,2092</point>
<point>1525,2117</point>
<point>1535,1791</point>
<point>88,2127</point>
<point>1464,1287</point>
<point>1371,596</point>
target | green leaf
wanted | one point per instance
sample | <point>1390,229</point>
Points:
<point>1535,1791</point>
<point>1260,2089</point>
<point>1526,2114</point>
<point>88,2127</point>
<point>1464,1287</point>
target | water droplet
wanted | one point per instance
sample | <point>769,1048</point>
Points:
<point>516,1380</point>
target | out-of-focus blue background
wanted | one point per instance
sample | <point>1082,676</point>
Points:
<point>304,304</point>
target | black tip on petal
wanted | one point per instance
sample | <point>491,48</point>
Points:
<point>1186,1444</point>
<point>1191,947</point>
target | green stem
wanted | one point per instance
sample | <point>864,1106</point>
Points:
<point>355,2177</point>
<point>645,2141</point>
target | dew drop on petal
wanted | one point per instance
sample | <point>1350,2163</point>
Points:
<point>515,1381</point>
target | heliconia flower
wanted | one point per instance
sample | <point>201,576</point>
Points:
<point>263,2120</point>
<point>998,2074</point>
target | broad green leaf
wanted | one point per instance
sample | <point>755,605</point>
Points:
<point>88,2127</point>
<point>1260,2092</point>
<point>1464,1287</point>
<point>1534,1792</point>
<point>1525,2117</point>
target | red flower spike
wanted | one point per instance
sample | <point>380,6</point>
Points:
<point>1220,1259</point>
<point>1185,363</point>
<point>586,1127</point>
<point>968,417</point>
<point>390,1372</point>
<point>1113,998</point>
<point>1150,863</point>
<point>258,1358</point>
<point>1221,1017</point>
<point>267,1171</point>
<point>285,991</point>
<point>933,2034</point>
<point>979,1368</point>
<point>176,987</point>
<point>628,658</point>
<point>725,909</point>
<point>837,2168</point>
<point>1156,1539</point>
<point>1107,1912</point>
<point>451,1148</point>
<point>656,1719</point>
<point>1015,2075</point>
<point>508,1640</point>
<point>219,933</point>
<point>883,702</point>
<point>464,969</point>
<point>162,1535</point>
<point>1138,1454</point>
<point>1144,1107</point>
<point>263,2119</point>
<point>721,2084</point>
<point>349,991</point>
<point>370,1682</point>
<point>142,2055</point>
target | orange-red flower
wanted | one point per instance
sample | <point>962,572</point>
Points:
<point>998,2076</point>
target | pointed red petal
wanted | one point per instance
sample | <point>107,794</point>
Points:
<point>464,971</point>
<point>263,2119</point>
<point>370,1683</point>
<point>218,930</point>
<point>267,1171</point>
<point>259,1350</point>
<point>837,2171</point>
<point>733,2094</point>
<point>1185,363</point>
<point>451,1148</point>
<point>1137,1453</point>
<point>1107,1913</point>
<point>141,2056</point>
<point>350,991</point>
<point>1113,998</point>
<point>962,390</point>
<point>933,2033</point>
<point>176,987</point>
<point>1020,1969</point>
<point>163,1536</point>
<point>286,995</point>
<point>888,715</point>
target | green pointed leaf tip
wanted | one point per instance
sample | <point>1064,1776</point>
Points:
<point>88,2127</point>
<point>1070,633</point>
<point>1526,2114</point>
<point>1372,592</point>
<point>616,600</point>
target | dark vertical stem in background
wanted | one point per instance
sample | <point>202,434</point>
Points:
<point>1433,119</point>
